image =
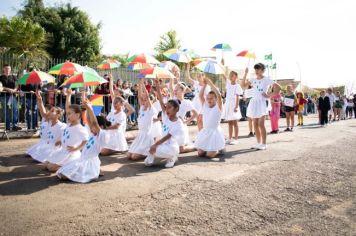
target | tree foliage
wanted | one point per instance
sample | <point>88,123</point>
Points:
<point>167,41</point>
<point>72,35</point>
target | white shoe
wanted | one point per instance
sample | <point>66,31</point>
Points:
<point>233,142</point>
<point>149,160</point>
<point>262,147</point>
<point>257,146</point>
<point>170,162</point>
<point>228,141</point>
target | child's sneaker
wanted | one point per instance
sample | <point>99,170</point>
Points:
<point>233,142</point>
<point>262,147</point>
<point>149,160</point>
<point>170,162</point>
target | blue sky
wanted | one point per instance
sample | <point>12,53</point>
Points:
<point>317,35</point>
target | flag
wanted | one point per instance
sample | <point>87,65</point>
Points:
<point>268,57</point>
<point>97,103</point>
<point>274,66</point>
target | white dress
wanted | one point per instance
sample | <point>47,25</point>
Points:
<point>157,126</point>
<point>196,100</point>
<point>144,139</point>
<point>170,148</point>
<point>35,150</point>
<point>117,140</point>
<point>53,134</point>
<point>87,167</point>
<point>185,106</point>
<point>258,106</point>
<point>232,90</point>
<point>72,136</point>
<point>211,137</point>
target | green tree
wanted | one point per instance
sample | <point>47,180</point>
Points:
<point>72,35</point>
<point>23,38</point>
<point>167,41</point>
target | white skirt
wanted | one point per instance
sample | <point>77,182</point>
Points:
<point>185,139</point>
<point>142,143</point>
<point>229,110</point>
<point>210,140</point>
<point>257,108</point>
<point>116,141</point>
<point>156,130</point>
<point>62,156</point>
<point>167,151</point>
<point>35,151</point>
<point>82,170</point>
<point>45,152</point>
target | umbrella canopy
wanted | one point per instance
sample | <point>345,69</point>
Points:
<point>156,72</point>
<point>91,70</point>
<point>66,68</point>
<point>36,77</point>
<point>177,55</point>
<point>247,54</point>
<point>222,46</point>
<point>97,103</point>
<point>138,66</point>
<point>191,53</point>
<point>168,65</point>
<point>109,64</point>
<point>83,79</point>
<point>143,58</point>
<point>211,67</point>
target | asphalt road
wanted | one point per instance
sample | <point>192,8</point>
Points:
<point>303,184</point>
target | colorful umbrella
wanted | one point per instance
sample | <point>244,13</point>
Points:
<point>196,61</point>
<point>177,55</point>
<point>36,77</point>
<point>191,53</point>
<point>97,103</point>
<point>168,65</point>
<point>143,58</point>
<point>210,66</point>
<point>109,64</point>
<point>66,68</point>
<point>138,66</point>
<point>247,54</point>
<point>156,72</point>
<point>222,46</point>
<point>83,79</point>
<point>91,70</point>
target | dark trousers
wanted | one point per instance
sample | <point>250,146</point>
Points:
<point>323,117</point>
<point>31,112</point>
<point>10,110</point>
<point>355,111</point>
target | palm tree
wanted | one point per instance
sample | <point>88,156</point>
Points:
<point>167,41</point>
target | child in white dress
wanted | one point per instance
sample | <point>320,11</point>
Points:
<point>210,140</point>
<point>74,138</point>
<point>258,107</point>
<point>167,147</point>
<point>198,86</point>
<point>142,143</point>
<point>53,132</point>
<point>231,112</point>
<point>87,167</point>
<point>157,124</point>
<point>116,131</point>
<point>184,107</point>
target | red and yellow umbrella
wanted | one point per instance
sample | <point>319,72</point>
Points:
<point>156,72</point>
<point>66,68</point>
<point>36,77</point>
<point>247,54</point>
<point>83,79</point>
<point>143,58</point>
<point>109,64</point>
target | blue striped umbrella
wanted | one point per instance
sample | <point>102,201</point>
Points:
<point>211,67</point>
<point>177,55</point>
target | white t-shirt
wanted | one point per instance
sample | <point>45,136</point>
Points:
<point>184,107</point>
<point>175,129</point>
<point>95,144</point>
<point>74,135</point>
<point>145,118</point>
<point>261,86</point>
<point>54,133</point>
<point>197,88</point>
<point>232,90</point>
<point>332,99</point>
<point>157,106</point>
<point>119,118</point>
<point>211,116</point>
<point>44,126</point>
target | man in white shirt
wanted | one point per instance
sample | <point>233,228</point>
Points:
<point>331,97</point>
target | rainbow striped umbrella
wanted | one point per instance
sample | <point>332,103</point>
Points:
<point>143,58</point>
<point>66,68</point>
<point>83,79</point>
<point>247,54</point>
<point>211,67</point>
<point>138,66</point>
<point>36,77</point>
<point>222,46</point>
<point>168,65</point>
<point>97,103</point>
<point>156,72</point>
<point>177,55</point>
<point>191,53</point>
<point>109,64</point>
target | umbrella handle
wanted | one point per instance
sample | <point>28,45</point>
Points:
<point>248,63</point>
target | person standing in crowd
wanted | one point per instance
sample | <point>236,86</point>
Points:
<point>289,110</point>
<point>350,106</point>
<point>275,113</point>
<point>344,108</point>
<point>354,101</point>
<point>8,98</point>
<point>338,106</point>
<point>148,85</point>
<point>331,97</point>
<point>300,108</point>
<point>103,89</point>
<point>324,107</point>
